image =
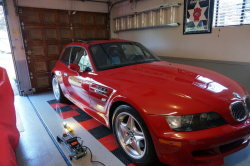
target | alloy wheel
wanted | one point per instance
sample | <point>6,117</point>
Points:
<point>130,135</point>
<point>56,89</point>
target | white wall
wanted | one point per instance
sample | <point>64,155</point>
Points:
<point>66,5</point>
<point>233,43</point>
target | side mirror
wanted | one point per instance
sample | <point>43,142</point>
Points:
<point>74,67</point>
<point>88,69</point>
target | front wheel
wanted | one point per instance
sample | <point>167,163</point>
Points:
<point>57,90</point>
<point>133,136</point>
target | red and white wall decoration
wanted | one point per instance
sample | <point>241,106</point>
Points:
<point>198,16</point>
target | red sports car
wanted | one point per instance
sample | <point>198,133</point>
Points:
<point>181,114</point>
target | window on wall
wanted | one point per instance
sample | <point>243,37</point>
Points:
<point>231,13</point>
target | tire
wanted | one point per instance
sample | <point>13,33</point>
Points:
<point>132,135</point>
<point>57,90</point>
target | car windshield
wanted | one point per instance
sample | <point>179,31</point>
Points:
<point>119,54</point>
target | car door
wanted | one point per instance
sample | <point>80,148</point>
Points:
<point>100,92</point>
<point>77,83</point>
<point>62,75</point>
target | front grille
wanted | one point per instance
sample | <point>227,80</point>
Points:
<point>239,111</point>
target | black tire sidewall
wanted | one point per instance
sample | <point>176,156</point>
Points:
<point>150,154</point>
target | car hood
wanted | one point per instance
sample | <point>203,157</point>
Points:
<point>165,88</point>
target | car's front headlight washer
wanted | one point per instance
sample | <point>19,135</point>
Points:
<point>195,122</point>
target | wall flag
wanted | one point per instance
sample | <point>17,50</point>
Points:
<point>198,16</point>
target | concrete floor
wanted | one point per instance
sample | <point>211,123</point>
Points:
<point>37,149</point>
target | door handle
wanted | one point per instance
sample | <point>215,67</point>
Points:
<point>65,74</point>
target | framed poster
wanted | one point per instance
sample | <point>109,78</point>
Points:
<point>198,16</point>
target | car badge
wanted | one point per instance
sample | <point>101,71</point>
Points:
<point>237,95</point>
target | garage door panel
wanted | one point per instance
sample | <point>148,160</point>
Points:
<point>37,51</point>
<point>77,19</point>
<point>33,17</point>
<point>89,19</point>
<point>43,81</point>
<point>101,33</point>
<point>47,31</point>
<point>51,34</point>
<point>78,34</point>
<point>35,34</point>
<point>40,66</point>
<point>100,20</point>
<point>90,34</point>
<point>53,50</point>
<point>65,34</point>
<point>49,18</point>
<point>63,18</point>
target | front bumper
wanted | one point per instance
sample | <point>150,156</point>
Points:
<point>204,147</point>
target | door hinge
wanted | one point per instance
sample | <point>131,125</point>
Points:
<point>29,52</point>
<point>23,27</point>
<point>28,59</point>
<point>31,91</point>
<point>25,43</point>
<point>31,75</point>
<point>22,92</point>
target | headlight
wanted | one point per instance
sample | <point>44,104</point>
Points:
<point>195,122</point>
<point>247,102</point>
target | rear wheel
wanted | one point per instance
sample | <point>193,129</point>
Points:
<point>57,90</point>
<point>133,136</point>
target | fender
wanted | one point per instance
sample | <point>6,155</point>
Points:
<point>119,98</point>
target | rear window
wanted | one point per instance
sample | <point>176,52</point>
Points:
<point>65,56</point>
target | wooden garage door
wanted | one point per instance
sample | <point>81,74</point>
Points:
<point>46,32</point>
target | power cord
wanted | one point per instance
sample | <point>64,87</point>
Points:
<point>91,156</point>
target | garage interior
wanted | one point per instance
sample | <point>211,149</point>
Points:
<point>37,32</point>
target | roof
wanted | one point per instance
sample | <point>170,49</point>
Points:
<point>107,41</point>
<point>103,41</point>
<point>96,42</point>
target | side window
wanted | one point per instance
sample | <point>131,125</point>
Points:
<point>65,56</point>
<point>79,56</point>
<point>76,53</point>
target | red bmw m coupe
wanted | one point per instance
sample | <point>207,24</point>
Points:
<point>183,115</point>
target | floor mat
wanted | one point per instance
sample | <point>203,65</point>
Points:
<point>99,131</point>
<point>104,135</point>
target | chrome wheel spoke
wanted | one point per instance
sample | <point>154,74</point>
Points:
<point>130,123</point>
<point>124,132</point>
<point>136,145</point>
<point>128,141</point>
<point>139,135</point>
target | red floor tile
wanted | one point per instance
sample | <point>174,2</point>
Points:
<point>90,124</point>
<point>58,105</point>
<point>131,164</point>
<point>68,114</point>
<point>73,106</point>
<point>109,142</point>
